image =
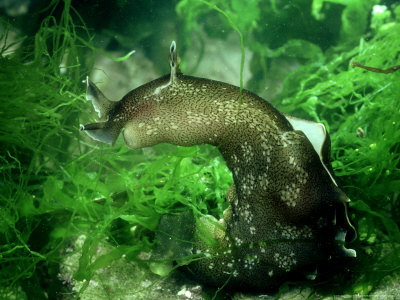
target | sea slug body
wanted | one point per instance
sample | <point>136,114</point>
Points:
<point>287,214</point>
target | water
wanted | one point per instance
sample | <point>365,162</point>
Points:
<point>82,219</point>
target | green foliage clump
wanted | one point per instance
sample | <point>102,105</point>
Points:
<point>39,100</point>
<point>362,112</point>
<point>354,16</point>
<point>56,184</point>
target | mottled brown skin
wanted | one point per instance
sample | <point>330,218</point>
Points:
<point>283,203</point>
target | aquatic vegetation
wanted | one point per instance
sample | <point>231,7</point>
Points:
<point>52,189</point>
<point>39,107</point>
<point>55,184</point>
<point>362,112</point>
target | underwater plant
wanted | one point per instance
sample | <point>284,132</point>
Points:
<point>41,191</point>
<point>67,203</point>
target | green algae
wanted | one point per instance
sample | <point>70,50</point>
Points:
<point>55,184</point>
<point>362,111</point>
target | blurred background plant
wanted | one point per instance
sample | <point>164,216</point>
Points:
<point>57,185</point>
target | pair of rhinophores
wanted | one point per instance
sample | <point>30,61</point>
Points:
<point>287,213</point>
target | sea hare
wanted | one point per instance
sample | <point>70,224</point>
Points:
<point>287,213</point>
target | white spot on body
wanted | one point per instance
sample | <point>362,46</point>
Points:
<point>285,262</point>
<point>238,241</point>
<point>292,232</point>
<point>263,181</point>
<point>290,194</point>
<point>252,230</point>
